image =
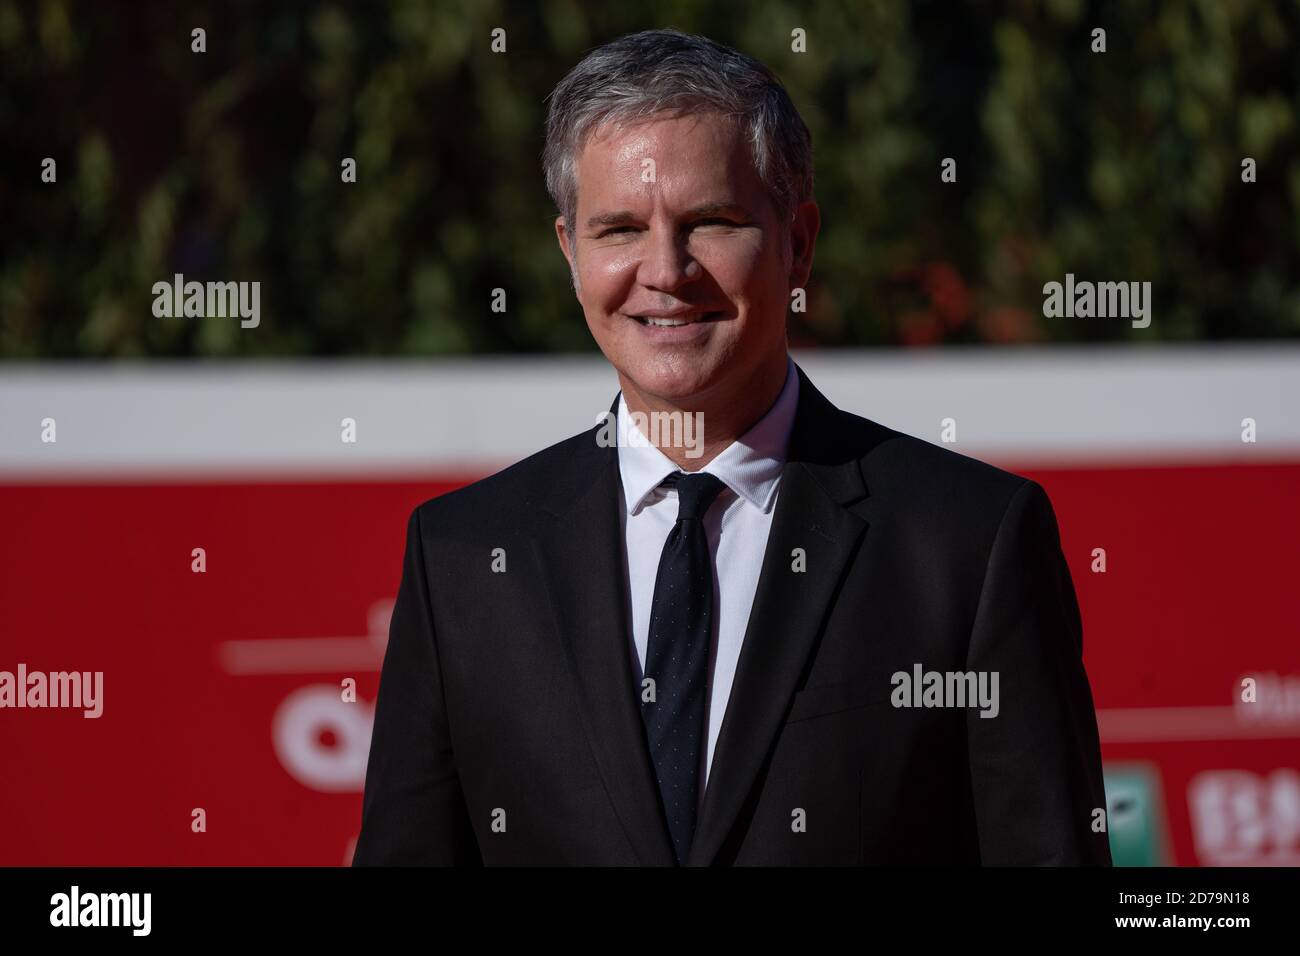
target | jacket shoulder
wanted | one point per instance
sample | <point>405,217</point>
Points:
<point>514,494</point>
<point>930,500</point>
<point>899,465</point>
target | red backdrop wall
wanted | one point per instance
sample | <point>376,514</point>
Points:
<point>222,689</point>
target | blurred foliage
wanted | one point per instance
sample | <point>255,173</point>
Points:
<point>225,165</point>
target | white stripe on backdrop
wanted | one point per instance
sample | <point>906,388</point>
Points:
<point>1057,405</point>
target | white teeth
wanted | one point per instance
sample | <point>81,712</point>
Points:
<point>668,322</point>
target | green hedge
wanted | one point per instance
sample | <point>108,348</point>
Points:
<point>225,165</point>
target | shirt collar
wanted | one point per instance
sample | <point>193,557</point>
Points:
<point>750,466</point>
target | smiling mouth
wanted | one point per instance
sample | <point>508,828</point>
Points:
<point>676,320</point>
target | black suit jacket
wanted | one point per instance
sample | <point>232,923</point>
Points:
<point>508,728</point>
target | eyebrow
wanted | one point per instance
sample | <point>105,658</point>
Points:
<point>623,217</point>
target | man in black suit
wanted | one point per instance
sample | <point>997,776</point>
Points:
<point>731,624</point>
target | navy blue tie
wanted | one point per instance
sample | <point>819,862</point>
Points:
<point>677,656</point>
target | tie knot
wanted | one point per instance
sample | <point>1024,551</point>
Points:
<point>695,492</point>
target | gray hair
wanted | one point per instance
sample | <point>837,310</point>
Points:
<point>658,71</point>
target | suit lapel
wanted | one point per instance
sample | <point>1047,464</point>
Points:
<point>820,477</point>
<point>580,548</point>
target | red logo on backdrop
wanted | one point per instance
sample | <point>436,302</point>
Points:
<point>321,739</point>
<point>1241,818</point>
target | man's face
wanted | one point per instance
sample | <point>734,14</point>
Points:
<point>681,262</point>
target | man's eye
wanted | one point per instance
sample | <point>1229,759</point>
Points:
<point>615,230</point>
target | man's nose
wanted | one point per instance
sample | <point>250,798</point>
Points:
<point>667,263</point>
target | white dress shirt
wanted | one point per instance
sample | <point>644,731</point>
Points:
<point>737,525</point>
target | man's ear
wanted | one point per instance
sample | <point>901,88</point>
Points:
<point>804,227</point>
<point>567,247</point>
